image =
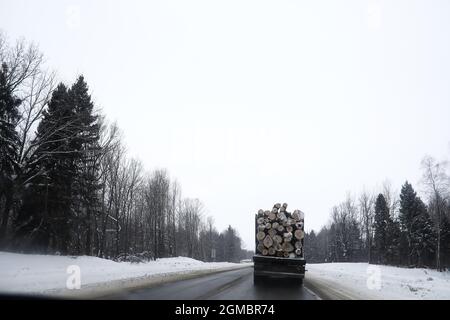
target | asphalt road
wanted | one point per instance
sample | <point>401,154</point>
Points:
<point>236,284</point>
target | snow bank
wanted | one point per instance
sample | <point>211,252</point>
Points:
<point>41,274</point>
<point>366,281</point>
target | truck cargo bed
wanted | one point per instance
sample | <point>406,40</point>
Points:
<point>265,266</point>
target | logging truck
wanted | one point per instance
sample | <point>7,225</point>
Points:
<point>279,237</point>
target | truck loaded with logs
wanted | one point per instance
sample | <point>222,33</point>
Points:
<point>279,244</point>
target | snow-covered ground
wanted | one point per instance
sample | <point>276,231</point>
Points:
<point>364,281</point>
<point>47,274</point>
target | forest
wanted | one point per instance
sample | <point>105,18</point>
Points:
<point>67,185</point>
<point>390,228</point>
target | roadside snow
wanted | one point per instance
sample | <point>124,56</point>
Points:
<point>361,281</point>
<point>41,274</point>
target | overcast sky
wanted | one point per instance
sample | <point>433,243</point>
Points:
<point>248,103</point>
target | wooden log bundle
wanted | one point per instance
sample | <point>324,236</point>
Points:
<point>279,233</point>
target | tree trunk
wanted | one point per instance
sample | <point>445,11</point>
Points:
<point>5,218</point>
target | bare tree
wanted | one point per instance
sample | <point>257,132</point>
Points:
<point>436,183</point>
<point>366,210</point>
<point>191,215</point>
<point>174,200</point>
<point>391,197</point>
<point>33,85</point>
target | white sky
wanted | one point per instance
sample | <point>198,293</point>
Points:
<point>248,103</point>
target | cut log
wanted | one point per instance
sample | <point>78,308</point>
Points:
<point>287,235</point>
<point>299,225</point>
<point>279,232</point>
<point>282,216</point>
<point>277,239</point>
<point>277,246</point>
<point>268,242</point>
<point>302,216</point>
<point>260,235</point>
<point>272,232</point>
<point>299,234</point>
<point>287,247</point>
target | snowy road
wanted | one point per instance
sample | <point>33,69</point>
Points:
<point>236,284</point>
<point>186,278</point>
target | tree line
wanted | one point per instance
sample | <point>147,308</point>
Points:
<point>67,185</point>
<point>389,228</point>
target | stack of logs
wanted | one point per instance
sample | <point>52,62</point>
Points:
<point>280,233</point>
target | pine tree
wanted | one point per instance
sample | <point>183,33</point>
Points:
<point>87,165</point>
<point>393,233</point>
<point>46,216</point>
<point>445,238</point>
<point>426,236</point>
<point>9,140</point>
<point>311,247</point>
<point>416,224</point>
<point>381,222</point>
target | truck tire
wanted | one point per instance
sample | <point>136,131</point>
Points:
<point>300,282</point>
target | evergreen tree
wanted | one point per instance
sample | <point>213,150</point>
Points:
<point>311,245</point>
<point>9,140</point>
<point>445,238</point>
<point>9,116</point>
<point>381,222</point>
<point>46,216</point>
<point>416,223</point>
<point>426,236</point>
<point>393,233</point>
<point>86,141</point>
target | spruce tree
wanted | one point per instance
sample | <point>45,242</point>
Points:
<point>9,116</point>
<point>87,165</point>
<point>9,141</point>
<point>416,223</point>
<point>393,233</point>
<point>381,222</point>
<point>46,216</point>
<point>426,236</point>
<point>445,238</point>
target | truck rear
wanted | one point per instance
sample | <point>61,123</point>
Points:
<point>279,239</point>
